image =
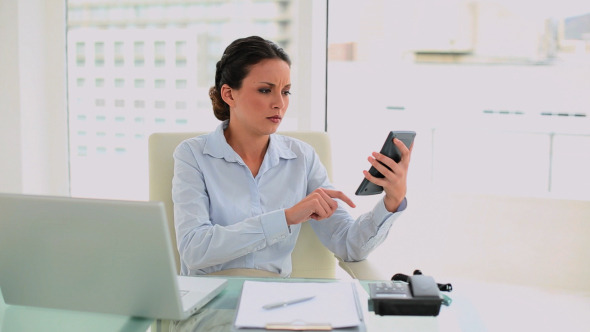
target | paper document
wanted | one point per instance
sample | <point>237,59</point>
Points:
<point>313,305</point>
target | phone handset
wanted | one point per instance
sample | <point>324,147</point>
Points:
<point>391,150</point>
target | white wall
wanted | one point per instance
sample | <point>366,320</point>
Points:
<point>10,167</point>
<point>535,242</point>
<point>33,129</point>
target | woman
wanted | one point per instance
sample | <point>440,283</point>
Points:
<point>241,192</point>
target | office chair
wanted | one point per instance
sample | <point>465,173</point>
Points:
<point>310,258</point>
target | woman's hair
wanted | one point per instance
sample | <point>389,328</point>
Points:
<point>235,65</point>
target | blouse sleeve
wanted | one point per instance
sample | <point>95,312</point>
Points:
<point>347,238</point>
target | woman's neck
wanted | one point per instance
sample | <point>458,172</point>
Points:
<point>250,148</point>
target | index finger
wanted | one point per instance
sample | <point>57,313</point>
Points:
<point>340,195</point>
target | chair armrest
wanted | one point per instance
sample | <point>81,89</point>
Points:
<point>364,270</point>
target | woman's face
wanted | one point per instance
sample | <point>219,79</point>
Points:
<point>259,105</point>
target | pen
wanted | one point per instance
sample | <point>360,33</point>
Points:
<point>286,303</point>
<point>359,311</point>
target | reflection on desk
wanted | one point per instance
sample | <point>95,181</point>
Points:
<point>20,318</point>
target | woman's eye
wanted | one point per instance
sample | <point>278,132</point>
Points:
<point>287,92</point>
<point>264,90</point>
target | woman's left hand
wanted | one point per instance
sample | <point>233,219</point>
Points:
<point>394,182</point>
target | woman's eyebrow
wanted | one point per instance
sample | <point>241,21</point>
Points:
<point>273,85</point>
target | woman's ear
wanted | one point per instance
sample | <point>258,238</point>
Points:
<point>226,95</point>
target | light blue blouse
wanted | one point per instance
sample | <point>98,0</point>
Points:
<point>226,218</point>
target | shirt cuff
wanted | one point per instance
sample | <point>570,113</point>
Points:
<point>402,206</point>
<point>274,226</point>
<point>380,213</point>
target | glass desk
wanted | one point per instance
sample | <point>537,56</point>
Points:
<point>476,306</point>
<point>220,313</point>
<point>24,319</point>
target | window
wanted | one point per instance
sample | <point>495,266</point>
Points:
<point>160,53</point>
<point>119,54</point>
<point>99,54</point>
<point>80,54</point>
<point>152,63</point>
<point>497,91</point>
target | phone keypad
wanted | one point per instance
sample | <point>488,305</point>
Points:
<point>389,290</point>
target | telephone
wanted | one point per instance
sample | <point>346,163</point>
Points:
<point>389,149</point>
<point>419,296</point>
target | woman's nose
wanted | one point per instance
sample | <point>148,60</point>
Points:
<point>278,101</point>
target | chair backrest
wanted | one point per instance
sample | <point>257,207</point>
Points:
<point>311,259</point>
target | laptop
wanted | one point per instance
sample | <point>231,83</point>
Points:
<point>95,255</point>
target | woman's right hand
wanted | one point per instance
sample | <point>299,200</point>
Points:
<point>318,205</point>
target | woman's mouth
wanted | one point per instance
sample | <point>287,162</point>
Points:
<point>275,119</point>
